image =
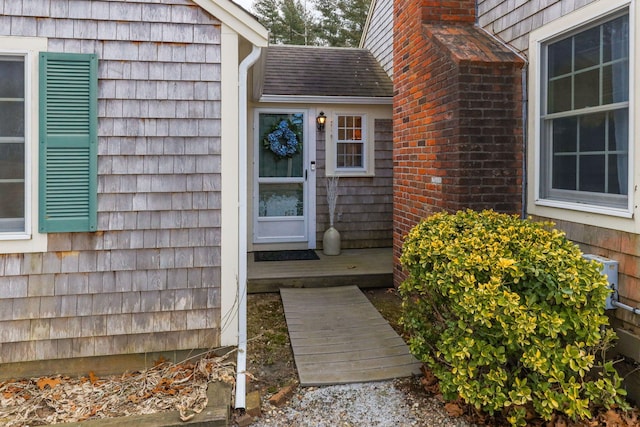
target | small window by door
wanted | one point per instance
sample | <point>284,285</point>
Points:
<point>350,143</point>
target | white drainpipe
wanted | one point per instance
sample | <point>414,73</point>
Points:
<point>242,227</point>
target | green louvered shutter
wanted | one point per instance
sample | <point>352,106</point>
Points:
<point>68,142</point>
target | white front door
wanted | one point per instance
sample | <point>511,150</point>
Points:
<point>282,177</point>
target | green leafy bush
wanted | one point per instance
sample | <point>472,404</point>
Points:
<point>508,315</point>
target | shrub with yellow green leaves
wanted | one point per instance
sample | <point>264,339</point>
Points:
<point>508,315</point>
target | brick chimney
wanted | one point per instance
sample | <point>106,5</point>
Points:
<point>462,11</point>
<point>457,116</point>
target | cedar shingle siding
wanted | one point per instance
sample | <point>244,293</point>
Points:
<point>149,278</point>
<point>364,212</point>
<point>378,35</point>
<point>512,21</point>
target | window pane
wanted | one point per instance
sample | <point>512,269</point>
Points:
<point>560,95</point>
<point>281,200</point>
<point>587,89</point>
<point>11,161</point>
<point>12,205</point>
<point>587,48</point>
<point>592,132</point>
<point>619,130</point>
<point>565,136</point>
<point>349,134</point>
<point>615,39</point>
<point>274,165</point>
<point>615,82</point>
<point>12,121</point>
<point>616,180</point>
<point>591,173</point>
<point>560,58</point>
<point>564,172</point>
<point>349,155</point>
<point>11,77</point>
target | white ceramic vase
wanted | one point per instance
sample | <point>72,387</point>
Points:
<point>331,242</point>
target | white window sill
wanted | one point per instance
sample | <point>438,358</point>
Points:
<point>600,210</point>
<point>14,243</point>
<point>14,236</point>
<point>351,173</point>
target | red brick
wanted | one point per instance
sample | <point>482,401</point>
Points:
<point>457,116</point>
<point>284,394</point>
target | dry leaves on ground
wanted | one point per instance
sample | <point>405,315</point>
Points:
<point>165,387</point>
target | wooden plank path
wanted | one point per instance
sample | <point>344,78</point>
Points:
<point>339,337</point>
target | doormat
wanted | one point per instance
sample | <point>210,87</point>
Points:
<point>299,255</point>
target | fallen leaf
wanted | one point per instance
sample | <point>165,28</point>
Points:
<point>560,422</point>
<point>453,409</point>
<point>612,419</point>
<point>160,361</point>
<point>47,382</point>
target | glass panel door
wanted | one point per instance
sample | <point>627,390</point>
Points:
<point>280,191</point>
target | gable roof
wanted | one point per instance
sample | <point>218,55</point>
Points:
<point>341,74</point>
<point>238,19</point>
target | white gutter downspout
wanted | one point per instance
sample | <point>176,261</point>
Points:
<point>241,366</point>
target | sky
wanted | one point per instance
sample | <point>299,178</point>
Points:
<point>245,3</point>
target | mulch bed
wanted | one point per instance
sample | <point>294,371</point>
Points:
<point>165,387</point>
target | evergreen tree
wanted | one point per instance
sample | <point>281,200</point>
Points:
<point>329,23</point>
<point>333,23</point>
<point>294,20</point>
<point>354,16</point>
<point>287,21</point>
<point>268,13</point>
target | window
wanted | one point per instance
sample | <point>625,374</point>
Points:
<point>12,143</point>
<point>48,143</point>
<point>584,119</point>
<point>350,141</point>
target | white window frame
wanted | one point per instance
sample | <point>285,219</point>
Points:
<point>368,145</point>
<point>363,141</point>
<point>580,19</point>
<point>29,240</point>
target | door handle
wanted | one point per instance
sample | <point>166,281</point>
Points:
<point>306,173</point>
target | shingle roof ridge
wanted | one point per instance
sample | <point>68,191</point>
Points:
<point>295,46</point>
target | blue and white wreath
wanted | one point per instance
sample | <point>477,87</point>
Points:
<point>283,140</point>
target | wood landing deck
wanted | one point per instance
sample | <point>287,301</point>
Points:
<point>339,337</point>
<point>366,268</point>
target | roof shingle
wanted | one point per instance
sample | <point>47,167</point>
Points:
<point>324,71</point>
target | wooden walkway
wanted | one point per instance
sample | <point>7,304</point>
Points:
<point>339,337</point>
<point>366,268</point>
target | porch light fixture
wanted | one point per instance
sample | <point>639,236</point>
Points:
<point>321,120</point>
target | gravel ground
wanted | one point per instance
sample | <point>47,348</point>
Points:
<point>378,404</point>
